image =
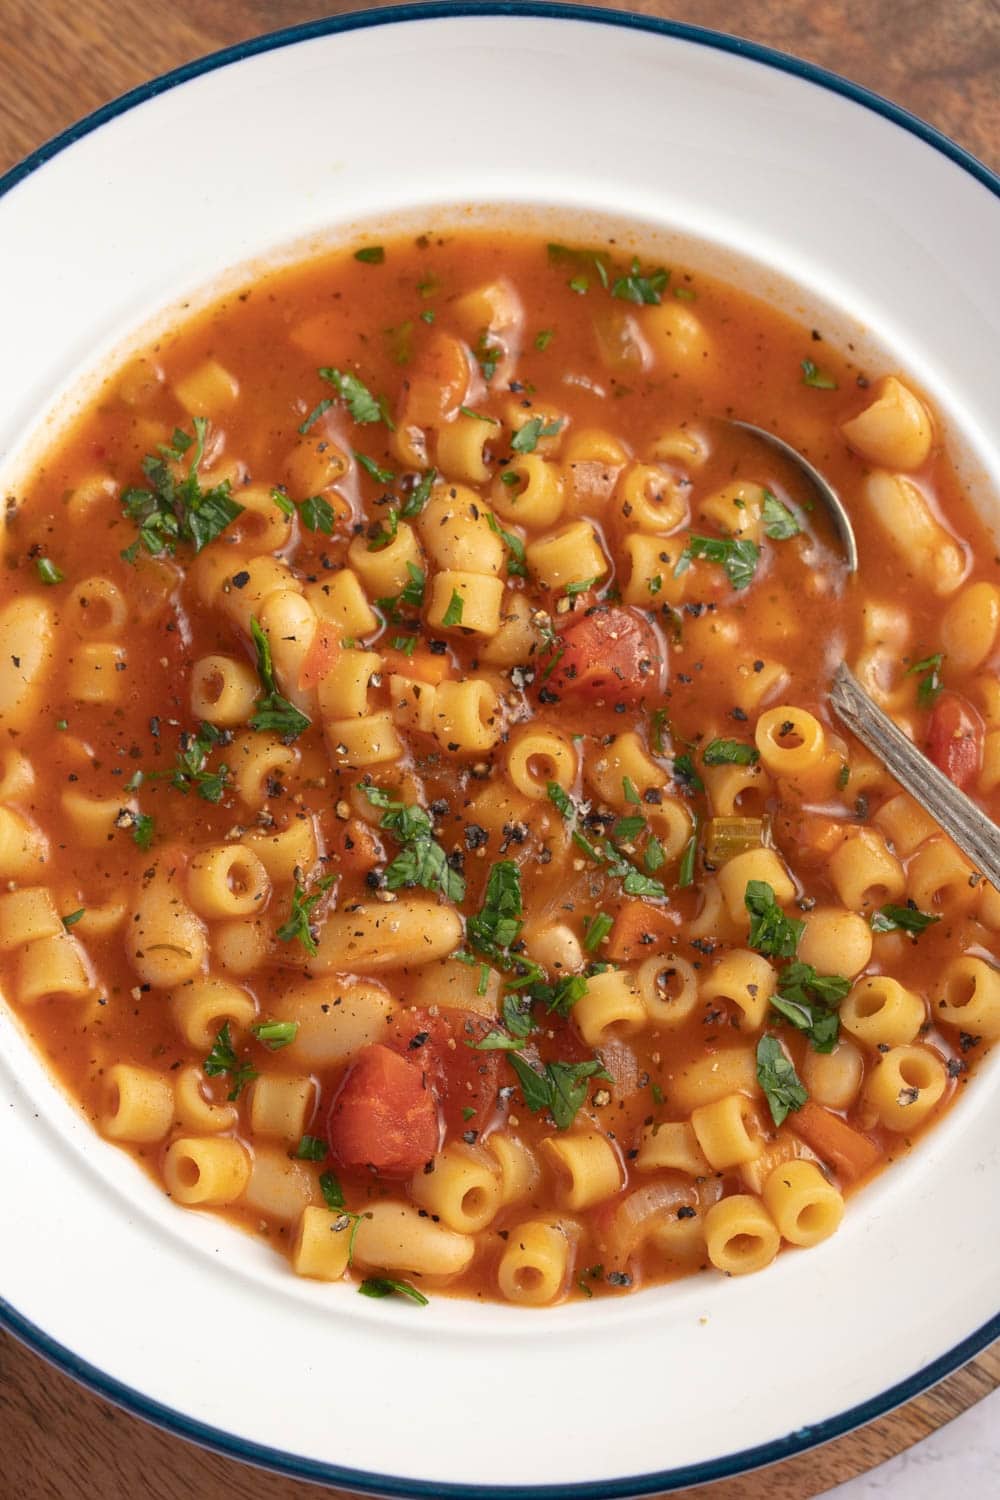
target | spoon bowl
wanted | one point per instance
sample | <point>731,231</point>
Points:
<point>960,818</point>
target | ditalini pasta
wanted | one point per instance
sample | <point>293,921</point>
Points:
<point>423,832</point>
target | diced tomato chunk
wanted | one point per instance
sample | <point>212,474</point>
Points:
<point>385,1115</point>
<point>465,1081</point>
<point>612,654</point>
<point>321,656</point>
<point>955,739</point>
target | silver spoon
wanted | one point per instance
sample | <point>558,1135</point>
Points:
<point>974,833</point>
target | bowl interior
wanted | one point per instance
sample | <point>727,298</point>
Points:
<point>691,151</point>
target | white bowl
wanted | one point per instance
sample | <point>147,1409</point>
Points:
<point>891,235</point>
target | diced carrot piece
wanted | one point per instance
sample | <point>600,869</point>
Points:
<point>356,847</point>
<point>321,656</point>
<point>640,930</point>
<point>385,1116</point>
<point>835,1141</point>
<point>423,665</point>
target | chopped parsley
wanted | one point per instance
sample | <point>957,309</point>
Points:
<point>274,713</point>
<point>779,522</point>
<point>176,510</point>
<point>902,919</point>
<point>807,1000</point>
<point>190,769</point>
<point>635,287</point>
<point>729,753</point>
<point>299,926</point>
<point>317,514</point>
<point>419,495</point>
<point>362,406</point>
<point>686,774</point>
<point>456,607</point>
<point>771,932</point>
<point>48,572</point>
<point>817,378</point>
<point>930,685</point>
<point>421,860</point>
<point>579,586</point>
<point>370,255</point>
<point>544,338</point>
<point>777,1077</point>
<point>488,355</point>
<point>525,440</point>
<point>315,414</point>
<point>71,919</point>
<point>387,531</point>
<point>685,872</point>
<point>634,882</point>
<point>560,1087</point>
<point>738,558</point>
<point>310,1148</point>
<point>142,830</point>
<point>223,1059</point>
<point>597,930</point>
<point>276,1034</point>
<point>333,1193</point>
<point>516,565</point>
<point>497,925</point>
<point>388,1286</point>
<point>412,595</point>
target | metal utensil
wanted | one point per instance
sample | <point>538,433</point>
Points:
<point>975,834</point>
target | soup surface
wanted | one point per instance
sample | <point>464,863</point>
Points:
<point>423,832</point>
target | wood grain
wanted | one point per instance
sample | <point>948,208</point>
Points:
<point>60,59</point>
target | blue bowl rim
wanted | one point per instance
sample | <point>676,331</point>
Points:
<point>359,1480</point>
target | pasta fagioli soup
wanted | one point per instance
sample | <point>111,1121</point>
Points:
<point>424,838</point>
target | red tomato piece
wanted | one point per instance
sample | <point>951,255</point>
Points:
<point>385,1115</point>
<point>613,654</point>
<point>955,739</point>
<point>465,1081</point>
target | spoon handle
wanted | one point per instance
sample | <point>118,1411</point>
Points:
<point>974,833</point>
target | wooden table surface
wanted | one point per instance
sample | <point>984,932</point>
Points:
<point>61,58</point>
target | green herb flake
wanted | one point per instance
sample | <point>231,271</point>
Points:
<point>808,1001</point>
<point>299,927</point>
<point>819,380</point>
<point>498,924</point>
<point>363,407</point>
<point>843,776</point>
<point>456,607</point>
<point>382,476</point>
<point>284,504</point>
<point>560,1087</point>
<point>405,643</point>
<point>222,1059</point>
<point>478,416</point>
<point>73,917</point>
<point>930,685</point>
<point>771,932</point>
<point>310,1148</point>
<point>686,774</point>
<point>387,532</point>
<point>516,565</point>
<point>777,1077</point>
<point>779,522</point>
<point>903,919</point>
<point>142,830</point>
<point>276,1034</point>
<point>639,288</point>
<point>48,572</point>
<point>315,414</point>
<point>488,354</point>
<point>738,558</point>
<point>685,872</point>
<point>729,753</point>
<point>526,438</point>
<point>173,509</point>
<point>543,339</point>
<point>419,495</point>
<point>333,1193</point>
<point>468,1112</point>
<point>388,1286</point>
<point>597,930</point>
<point>371,255</point>
<point>579,586</point>
<point>421,860</point>
<point>274,714</point>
